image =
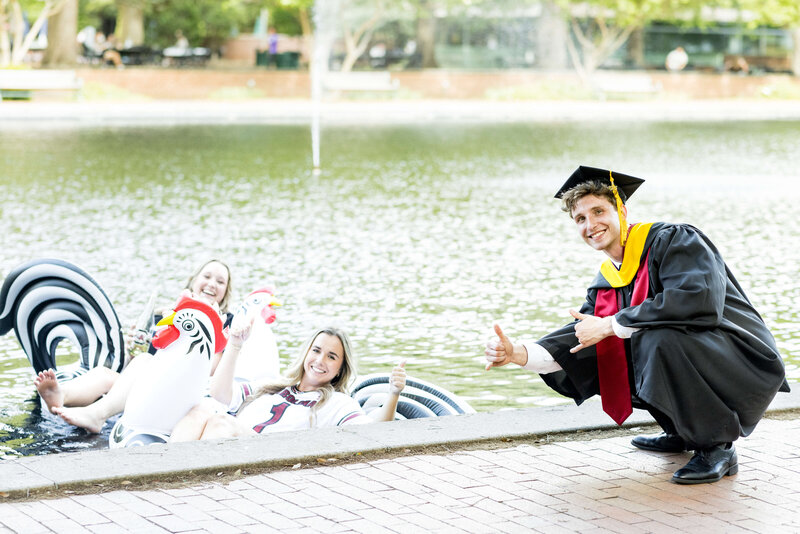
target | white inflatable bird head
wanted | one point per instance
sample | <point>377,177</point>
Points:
<point>195,319</point>
<point>260,300</point>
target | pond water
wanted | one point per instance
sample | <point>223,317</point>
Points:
<point>416,239</point>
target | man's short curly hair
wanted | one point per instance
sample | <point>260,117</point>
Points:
<point>595,187</point>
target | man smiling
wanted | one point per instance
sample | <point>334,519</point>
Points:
<point>665,327</point>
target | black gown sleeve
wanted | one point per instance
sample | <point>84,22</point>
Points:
<point>687,281</point>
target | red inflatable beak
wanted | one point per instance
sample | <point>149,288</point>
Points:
<point>165,336</point>
<point>268,314</point>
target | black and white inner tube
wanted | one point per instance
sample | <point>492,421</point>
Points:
<point>417,400</point>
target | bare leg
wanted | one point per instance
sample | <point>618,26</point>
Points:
<point>80,391</point>
<point>93,416</point>
<point>87,388</point>
<point>191,427</point>
<point>225,426</point>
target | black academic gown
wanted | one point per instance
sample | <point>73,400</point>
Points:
<point>703,356</point>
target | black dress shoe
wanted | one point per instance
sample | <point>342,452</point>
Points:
<point>661,442</point>
<point>708,465</point>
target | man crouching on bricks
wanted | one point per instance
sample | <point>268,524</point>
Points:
<point>665,327</point>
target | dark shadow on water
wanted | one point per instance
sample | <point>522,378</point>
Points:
<point>39,432</point>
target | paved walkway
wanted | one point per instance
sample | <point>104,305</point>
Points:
<point>601,485</point>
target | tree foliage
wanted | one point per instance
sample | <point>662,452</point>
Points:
<point>203,22</point>
<point>600,27</point>
<point>15,42</point>
<point>776,13</point>
<point>358,21</point>
<point>289,17</point>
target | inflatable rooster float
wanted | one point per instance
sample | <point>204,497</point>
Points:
<point>178,380</point>
<point>258,358</point>
<point>48,300</point>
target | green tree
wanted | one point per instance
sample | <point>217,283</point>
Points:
<point>425,25</point>
<point>601,27</point>
<point>777,13</point>
<point>130,22</point>
<point>62,32</point>
<point>14,41</point>
<point>425,22</point>
<point>204,22</point>
<point>359,19</point>
<point>427,12</point>
<point>291,17</point>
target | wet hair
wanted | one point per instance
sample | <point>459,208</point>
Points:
<point>226,298</point>
<point>296,371</point>
<point>596,188</point>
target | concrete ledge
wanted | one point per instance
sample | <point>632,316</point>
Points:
<point>19,477</point>
<point>27,115</point>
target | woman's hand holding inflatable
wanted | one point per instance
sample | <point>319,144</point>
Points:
<point>221,387</point>
<point>240,330</point>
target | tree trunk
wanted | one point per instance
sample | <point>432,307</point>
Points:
<point>635,55</point>
<point>308,35</point>
<point>5,42</point>
<point>551,39</point>
<point>796,52</point>
<point>62,36</point>
<point>130,23</point>
<point>354,50</point>
<point>356,40</point>
<point>596,46</point>
<point>305,22</point>
<point>426,37</point>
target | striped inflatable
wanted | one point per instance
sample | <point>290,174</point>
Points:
<point>418,399</point>
<point>123,436</point>
<point>46,301</point>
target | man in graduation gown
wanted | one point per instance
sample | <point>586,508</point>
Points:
<point>665,327</point>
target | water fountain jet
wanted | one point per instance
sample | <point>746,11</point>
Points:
<point>325,15</point>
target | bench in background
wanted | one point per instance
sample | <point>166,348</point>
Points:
<point>380,81</point>
<point>624,85</point>
<point>19,84</point>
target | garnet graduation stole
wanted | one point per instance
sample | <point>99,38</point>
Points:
<point>612,364</point>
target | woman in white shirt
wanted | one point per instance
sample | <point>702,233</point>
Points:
<point>313,393</point>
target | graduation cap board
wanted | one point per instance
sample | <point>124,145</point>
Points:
<point>622,186</point>
<point>625,184</point>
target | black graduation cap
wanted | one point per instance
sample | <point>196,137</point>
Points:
<point>626,185</point>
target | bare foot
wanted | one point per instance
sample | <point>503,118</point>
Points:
<point>83,417</point>
<point>47,385</point>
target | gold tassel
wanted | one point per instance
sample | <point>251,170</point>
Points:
<point>623,224</point>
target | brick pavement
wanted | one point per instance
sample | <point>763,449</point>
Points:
<point>601,485</point>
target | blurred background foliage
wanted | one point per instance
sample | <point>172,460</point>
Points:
<point>203,22</point>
